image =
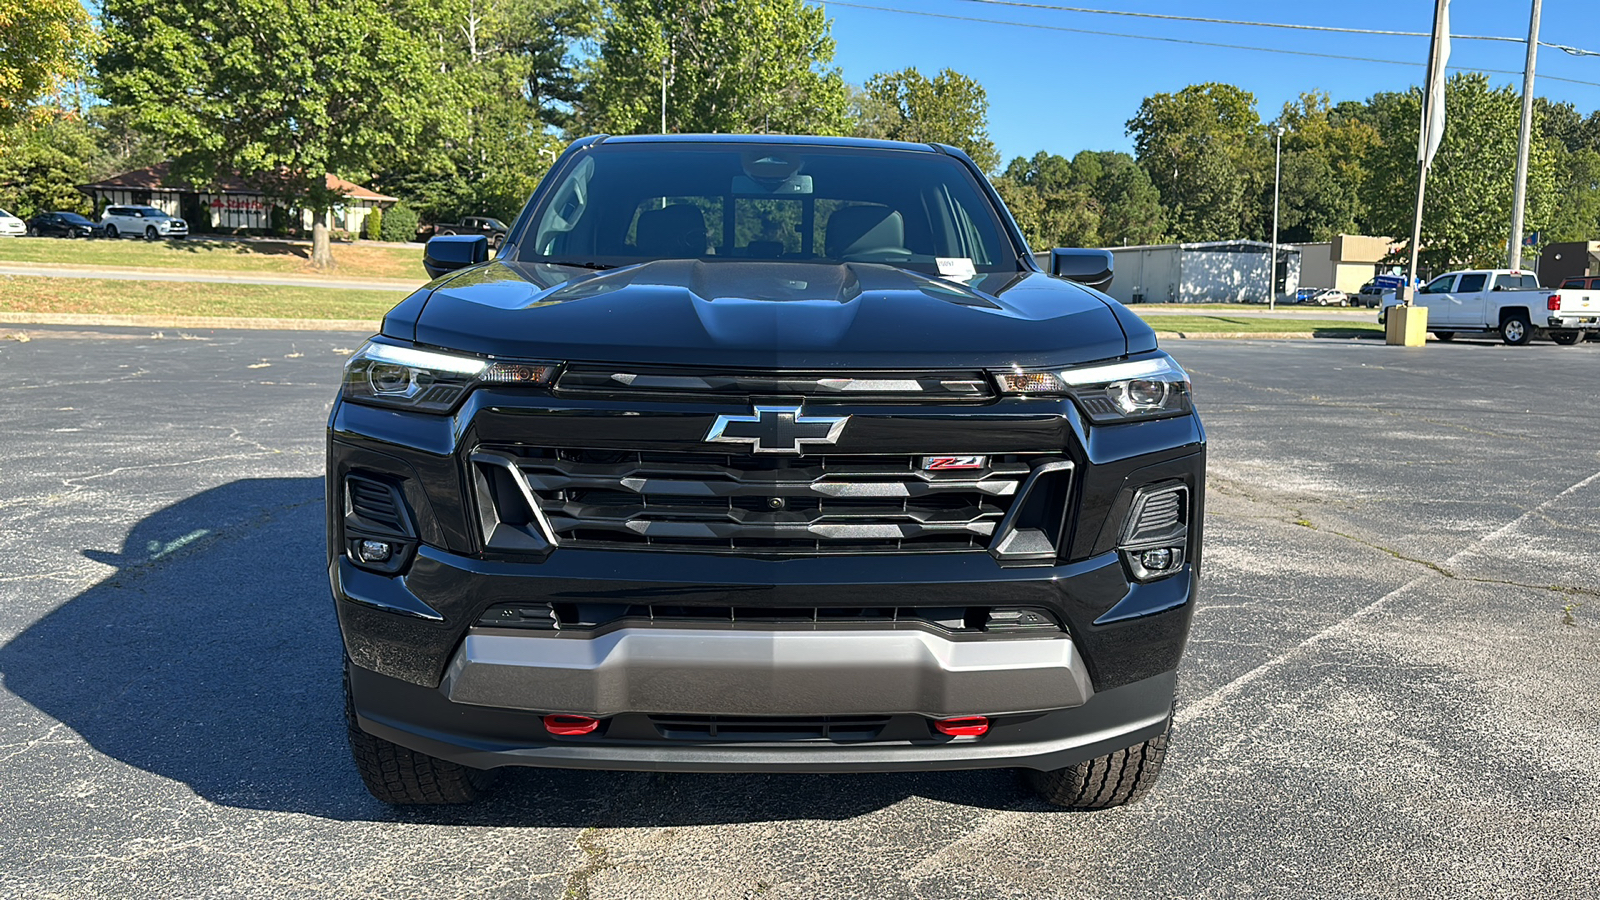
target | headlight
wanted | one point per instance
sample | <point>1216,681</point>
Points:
<point>429,381</point>
<point>1131,391</point>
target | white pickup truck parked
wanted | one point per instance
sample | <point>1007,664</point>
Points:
<point>1478,301</point>
<point>1573,310</point>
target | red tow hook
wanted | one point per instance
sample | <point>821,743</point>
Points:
<point>570,726</point>
<point>963,726</point>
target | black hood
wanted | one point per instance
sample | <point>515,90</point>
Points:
<point>788,315</point>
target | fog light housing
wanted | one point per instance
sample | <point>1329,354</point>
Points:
<point>1156,560</point>
<point>374,551</point>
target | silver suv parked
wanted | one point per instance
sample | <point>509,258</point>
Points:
<point>141,221</point>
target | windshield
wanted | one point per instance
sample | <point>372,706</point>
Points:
<point>629,203</point>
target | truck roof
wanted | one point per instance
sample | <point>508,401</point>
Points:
<point>790,139</point>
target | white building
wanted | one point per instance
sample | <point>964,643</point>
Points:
<point>1211,272</point>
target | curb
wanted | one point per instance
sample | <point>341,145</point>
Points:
<point>1266,336</point>
<point>209,322</point>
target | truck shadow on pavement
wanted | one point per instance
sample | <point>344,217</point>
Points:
<point>211,657</point>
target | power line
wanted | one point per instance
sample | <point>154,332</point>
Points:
<point>1575,51</point>
<point>1172,40</point>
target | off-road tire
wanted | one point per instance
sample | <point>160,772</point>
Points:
<point>1107,781</point>
<point>1565,338</point>
<point>1516,331</point>
<point>400,776</point>
<point>111,232</point>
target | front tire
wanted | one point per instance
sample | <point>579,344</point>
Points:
<point>1565,338</point>
<point>1107,781</point>
<point>1516,331</point>
<point>150,233</point>
<point>1445,336</point>
<point>111,232</point>
<point>397,775</point>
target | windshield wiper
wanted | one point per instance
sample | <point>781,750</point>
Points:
<point>578,264</point>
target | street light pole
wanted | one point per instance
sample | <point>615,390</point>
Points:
<point>1519,197</point>
<point>1277,179</point>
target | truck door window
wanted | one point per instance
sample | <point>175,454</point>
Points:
<point>1440,285</point>
<point>1471,283</point>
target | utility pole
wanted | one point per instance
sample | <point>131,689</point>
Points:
<point>1277,179</point>
<point>1520,195</point>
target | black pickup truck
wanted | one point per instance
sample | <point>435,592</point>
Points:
<point>762,454</point>
<point>493,229</point>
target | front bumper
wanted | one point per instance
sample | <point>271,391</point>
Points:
<point>426,721</point>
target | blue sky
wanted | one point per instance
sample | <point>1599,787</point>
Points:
<point>1064,92</point>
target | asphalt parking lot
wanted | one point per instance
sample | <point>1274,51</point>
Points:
<point>1391,689</point>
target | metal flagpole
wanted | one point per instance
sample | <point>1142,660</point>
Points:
<point>1277,178</point>
<point>1432,131</point>
<point>1520,194</point>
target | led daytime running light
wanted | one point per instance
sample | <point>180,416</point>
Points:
<point>1143,368</point>
<point>424,359</point>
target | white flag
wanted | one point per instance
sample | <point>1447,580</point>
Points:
<point>1433,101</point>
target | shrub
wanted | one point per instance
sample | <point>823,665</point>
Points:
<point>400,223</point>
<point>372,225</point>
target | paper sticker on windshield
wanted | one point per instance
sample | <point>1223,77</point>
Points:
<point>956,268</point>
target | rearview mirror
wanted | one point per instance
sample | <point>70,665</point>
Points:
<point>449,252</point>
<point>1085,266</point>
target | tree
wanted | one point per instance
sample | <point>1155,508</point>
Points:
<point>1130,205</point>
<point>282,92</point>
<point>510,80</point>
<point>950,108</point>
<point>714,66</point>
<point>1324,168</point>
<point>42,43</point>
<point>1205,151</point>
<point>1576,216</point>
<point>1467,210</point>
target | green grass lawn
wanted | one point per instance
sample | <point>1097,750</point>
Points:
<point>1222,323</point>
<point>180,298</point>
<point>360,261</point>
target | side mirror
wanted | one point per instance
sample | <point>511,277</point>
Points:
<point>1087,267</point>
<point>449,252</point>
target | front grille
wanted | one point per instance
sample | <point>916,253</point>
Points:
<point>725,502</point>
<point>770,728</point>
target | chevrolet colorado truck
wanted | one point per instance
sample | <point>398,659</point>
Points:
<point>762,454</point>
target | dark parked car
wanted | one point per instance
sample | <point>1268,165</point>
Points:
<point>762,454</point>
<point>61,224</point>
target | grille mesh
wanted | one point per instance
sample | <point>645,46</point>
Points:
<point>731,502</point>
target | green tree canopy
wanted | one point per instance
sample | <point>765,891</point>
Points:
<point>1324,168</point>
<point>714,66</point>
<point>508,75</point>
<point>42,43</point>
<point>950,108</point>
<point>1205,151</point>
<point>1467,211</point>
<point>283,91</point>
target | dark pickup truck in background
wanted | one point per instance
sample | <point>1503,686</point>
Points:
<point>763,454</point>
<point>493,229</point>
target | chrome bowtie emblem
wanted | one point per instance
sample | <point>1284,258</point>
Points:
<point>776,429</point>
